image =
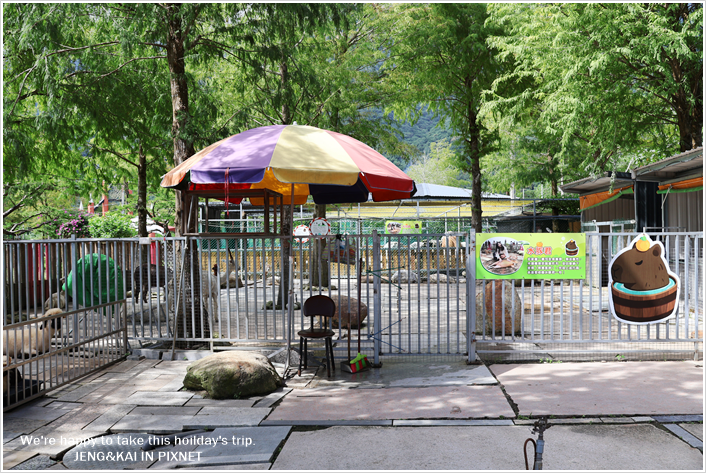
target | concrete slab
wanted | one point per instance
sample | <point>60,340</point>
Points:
<point>23,426</point>
<point>105,451</point>
<point>163,424</point>
<point>642,419</point>
<point>39,462</point>
<point>634,388</point>
<point>165,411</point>
<point>78,418</point>
<point>194,402</point>
<point>235,417</point>
<point>697,430</point>
<point>53,442</point>
<point>62,405</point>
<point>7,435</point>
<point>401,373</point>
<point>244,466</point>
<point>450,422</point>
<point>273,397</point>
<point>617,420</point>
<point>460,402</point>
<point>12,459</point>
<point>225,446</point>
<point>142,398</point>
<point>679,418</point>
<point>327,423</point>
<point>78,393</point>
<point>110,417</point>
<point>36,413</point>
<point>174,385</point>
<point>580,447</point>
<point>57,466</point>
<point>685,436</point>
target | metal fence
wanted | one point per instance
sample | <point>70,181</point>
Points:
<point>571,319</point>
<point>417,292</point>
<point>43,353</point>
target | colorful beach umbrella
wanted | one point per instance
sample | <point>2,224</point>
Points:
<point>332,167</point>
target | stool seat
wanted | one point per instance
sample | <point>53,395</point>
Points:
<point>316,333</point>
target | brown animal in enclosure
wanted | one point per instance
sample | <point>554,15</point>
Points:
<point>146,279</point>
<point>32,339</point>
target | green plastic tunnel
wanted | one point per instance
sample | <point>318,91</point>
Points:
<point>97,274</point>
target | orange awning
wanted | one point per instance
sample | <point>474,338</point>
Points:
<point>686,185</point>
<point>592,200</point>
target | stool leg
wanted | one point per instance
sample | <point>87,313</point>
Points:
<point>333,362</point>
<point>305,352</point>
<point>328,363</point>
<point>299,371</point>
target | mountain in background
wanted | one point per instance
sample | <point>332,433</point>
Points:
<point>423,133</point>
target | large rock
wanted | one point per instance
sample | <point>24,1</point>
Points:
<point>233,375</point>
<point>504,294</point>
<point>347,312</point>
<point>405,277</point>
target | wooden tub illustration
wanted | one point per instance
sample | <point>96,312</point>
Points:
<point>643,289</point>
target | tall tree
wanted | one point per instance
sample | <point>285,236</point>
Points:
<point>441,59</point>
<point>617,79</point>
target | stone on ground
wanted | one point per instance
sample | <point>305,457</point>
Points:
<point>498,309</point>
<point>233,375</point>
<point>347,312</point>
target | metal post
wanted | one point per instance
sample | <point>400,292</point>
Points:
<point>471,297</point>
<point>377,288</point>
<point>74,289</point>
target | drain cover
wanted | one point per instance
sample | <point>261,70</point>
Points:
<point>112,452</point>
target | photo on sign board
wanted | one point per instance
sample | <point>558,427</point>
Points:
<point>643,290</point>
<point>502,255</point>
<point>403,227</point>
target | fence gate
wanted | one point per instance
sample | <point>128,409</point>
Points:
<point>45,347</point>
<point>420,306</point>
<point>571,319</point>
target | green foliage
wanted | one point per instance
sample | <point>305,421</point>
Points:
<point>437,167</point>
<point>597,85</point>
<point>111,225</point>
<point>567,206</point>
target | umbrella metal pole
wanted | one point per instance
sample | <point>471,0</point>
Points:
<point>290,296</point>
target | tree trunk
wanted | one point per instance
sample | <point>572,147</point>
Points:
<point>317,259</point>
<point>183,143</point>
<point>555,209</point>
<point>142,194</point>
<point>183,149</point>
<point>473,143</point>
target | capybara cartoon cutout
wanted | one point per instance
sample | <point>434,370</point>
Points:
<point>642,288</point>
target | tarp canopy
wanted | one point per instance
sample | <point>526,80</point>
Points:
<point>687,185</point>
<point>598,198</point>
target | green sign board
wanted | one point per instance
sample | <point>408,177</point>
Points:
<point>531,256</point>
<point>403,227</point>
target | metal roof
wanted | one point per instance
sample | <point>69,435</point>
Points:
<point>589,185</point>
<point>681,165</point>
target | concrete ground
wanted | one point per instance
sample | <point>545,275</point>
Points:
<point>405,415</point>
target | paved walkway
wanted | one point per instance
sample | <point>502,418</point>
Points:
<point>405,415</point>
